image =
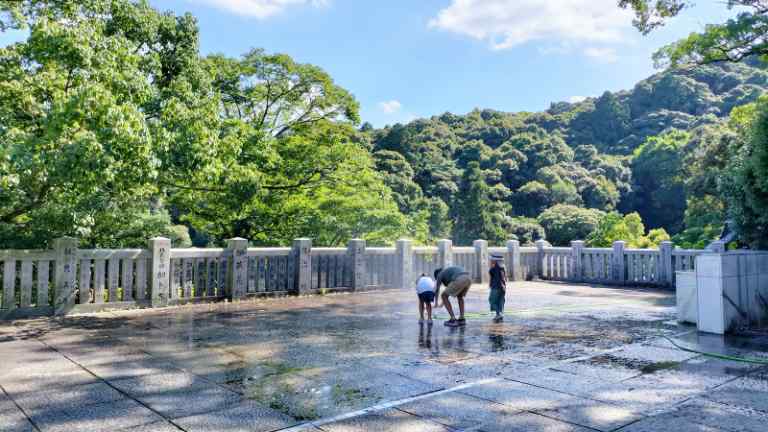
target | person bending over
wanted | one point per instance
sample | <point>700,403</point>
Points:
<point>457,282</point>
<point>425,289</point>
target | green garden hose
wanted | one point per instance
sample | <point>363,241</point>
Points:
<point>717,356</point>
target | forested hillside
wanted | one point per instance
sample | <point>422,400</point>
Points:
<point>114,128</point>
<point>489,173</point>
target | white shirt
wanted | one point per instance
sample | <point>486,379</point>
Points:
<point>425,284</point>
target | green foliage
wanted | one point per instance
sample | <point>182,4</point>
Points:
<point>565,223</point>
<point>630,229</point>
<point>476,217</point>
<point>733,41</point>
<point>77,101</point>
<point>704,220</point>
<point>745,184</point>
<point>108,107</point>
<point>526,230</point>
<point>659,194</point>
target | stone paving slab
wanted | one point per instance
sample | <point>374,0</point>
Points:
<point>185,403</point>
<point>725,417</point>
<point>567,357</point>
<point>529,422</point>
<point>748,392</point>
<point>161,426</point>
<point>665,423</point>
<point>12,419</point>
<point>102,417</point>
<point>245,417</point>
<point>517,395</point>
<point>390,420</point>
<point>593,414</point>
<point>459,411</point>
<point>166,381</point>
<point>66,398</point>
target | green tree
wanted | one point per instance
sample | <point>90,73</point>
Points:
<point>474,215</point>
<point>80,109</point>
<point>745,183</point>
<point>630,229</point>
<point>733,41</point>
<point>659,190</point>
<point>526,230</point>
<point>565,223</point>
<point>440,224</point>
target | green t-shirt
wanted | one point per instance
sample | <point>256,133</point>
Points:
<point>449,274</point>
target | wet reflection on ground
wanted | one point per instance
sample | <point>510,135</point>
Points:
<point>304,359</point>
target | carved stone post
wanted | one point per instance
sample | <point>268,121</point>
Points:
<point>617,263</point>
<point>540,246</point>
<point>160,248</point>
<point>66,268</point>
<point>356,256</point>
<point>445,253</point>
<point>577,248</point>
<point>513,263</point>
<point>667,271</point>
<point>237,283</point>
<point>481,261</point>
<point>302,254</point>
<point>404,253</point>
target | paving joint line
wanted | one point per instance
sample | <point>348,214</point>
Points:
<point>23,411</point>
<point>317,424</point>
<point>126,394</point>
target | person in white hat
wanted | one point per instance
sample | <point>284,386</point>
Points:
<point>498,285</point>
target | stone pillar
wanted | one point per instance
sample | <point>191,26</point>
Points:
<point>444,253</point>
<point>237,282</point>
<point>617,263</point>
<point>667,271</point>
<point>513,260</point>
<point>481,261</point>
<point>540,245</point>
<point>356,257</point>
<point>160,248</point>
<point>66,268</point>
<point>404,253</point>
<point>577,249</point>
<point>302,255</point>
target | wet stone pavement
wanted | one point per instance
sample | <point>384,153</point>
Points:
<point>567,358</point>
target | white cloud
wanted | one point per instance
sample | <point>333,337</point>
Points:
<point>604,55</point>
<point>261,9</point>
<point>577,99</point>
<point>390,107</point>
<point>506,24</point>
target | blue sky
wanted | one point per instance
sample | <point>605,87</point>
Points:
<point>404,59</point>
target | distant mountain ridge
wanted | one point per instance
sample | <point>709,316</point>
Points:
<point>578,154</point>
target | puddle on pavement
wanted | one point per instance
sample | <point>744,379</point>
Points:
<point>307,393</point>
<point>644,366</point>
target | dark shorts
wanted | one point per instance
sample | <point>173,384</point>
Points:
<point>427,297</point>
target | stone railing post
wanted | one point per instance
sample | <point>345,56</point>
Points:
<point>356,256</point>
<point>481,261</point>
<point>160,248</point>
<point>302,255</point>
<point>66,269</point>
<point>404,253</point>
<point>444,253</point>
<point>513,260</point>
<point>617,263</point>
<point>667,271</point>
<point>237,282</point>
<point>540,246</point>
<point>577,248</point>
